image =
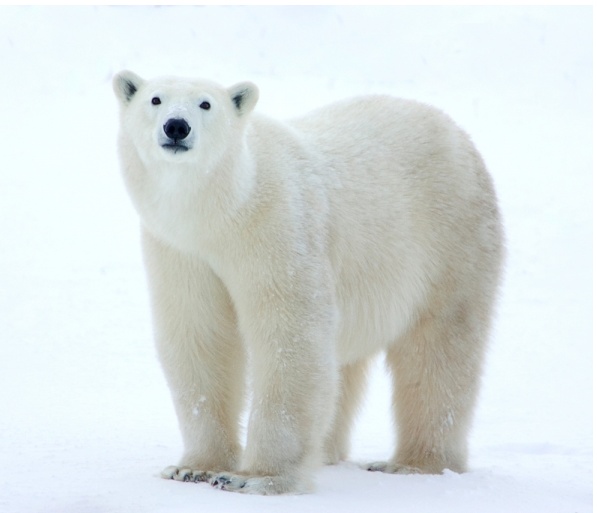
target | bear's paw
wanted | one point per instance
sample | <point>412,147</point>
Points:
<point>391,468</point>
<point>256,485</point>
<point>186,474</point>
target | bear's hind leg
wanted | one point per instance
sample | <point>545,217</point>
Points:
<point>435,370</point>
<point>351,389</point>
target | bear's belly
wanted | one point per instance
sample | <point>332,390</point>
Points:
<point>373,315</point>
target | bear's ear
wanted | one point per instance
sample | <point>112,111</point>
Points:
<point>244,96</point>
<point>126,84</point>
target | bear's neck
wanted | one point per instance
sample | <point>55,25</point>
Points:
<point>191,207</point>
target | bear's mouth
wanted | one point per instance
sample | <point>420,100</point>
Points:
<point>175,147</point>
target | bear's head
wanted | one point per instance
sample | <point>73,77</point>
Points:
<point>180,120</point>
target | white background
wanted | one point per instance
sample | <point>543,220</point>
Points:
<point>86,421</point>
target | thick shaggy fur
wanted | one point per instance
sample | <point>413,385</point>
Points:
<point>287,255</point>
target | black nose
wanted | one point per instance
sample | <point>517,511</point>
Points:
<point>176,129</point>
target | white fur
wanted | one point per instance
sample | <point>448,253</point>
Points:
<point>297,251</point>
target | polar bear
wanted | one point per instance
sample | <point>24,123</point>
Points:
<point>282,256</point>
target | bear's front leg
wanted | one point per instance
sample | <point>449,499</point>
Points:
<point>202,357</point>
<point>290,333</point>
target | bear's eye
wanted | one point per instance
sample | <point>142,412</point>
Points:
<point>205,105</point>
<point>155,101</point>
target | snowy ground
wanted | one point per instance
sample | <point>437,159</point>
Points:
<point>86,421</point>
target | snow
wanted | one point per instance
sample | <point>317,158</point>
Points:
<point>86,422</point>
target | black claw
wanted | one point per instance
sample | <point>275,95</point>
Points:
<point>220,482</point>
